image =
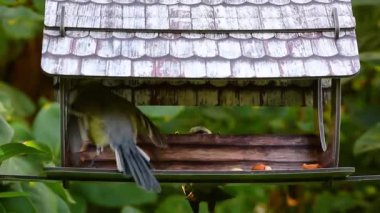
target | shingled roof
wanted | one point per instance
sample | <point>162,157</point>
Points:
<point>200,38</point>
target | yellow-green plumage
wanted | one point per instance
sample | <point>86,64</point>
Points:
<point>111,120</point>
<point>96,126</point>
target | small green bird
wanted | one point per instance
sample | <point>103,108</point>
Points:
<point>208,192</point>
<point>107,119</point>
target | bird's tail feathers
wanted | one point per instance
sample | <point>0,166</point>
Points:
<point>135,163</point>
<point>146,156</point>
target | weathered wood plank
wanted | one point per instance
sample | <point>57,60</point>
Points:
<point>225,153</point>
<point>226,166</point>
<point>242,140</point>
<point>215,152</point>
<point>209,166</point>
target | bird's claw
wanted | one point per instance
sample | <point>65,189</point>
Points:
<point>91,165</point>
<point>99,150</point>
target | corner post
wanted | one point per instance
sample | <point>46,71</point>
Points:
<point>336,98</point>
<point>63,122</point>
<point>318,113</point>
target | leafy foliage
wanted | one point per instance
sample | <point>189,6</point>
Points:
<point>22,154</point>
<point>12,149</point>
<point>365,2</point>
<point>46,128</point>
<point>18,22</point>
<point>369,141</point>
<point>13,194</point>
<point>6,131</point>
<point>13,103</point>
<point>114,194</point>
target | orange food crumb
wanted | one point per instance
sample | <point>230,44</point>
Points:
<point>260,166</point>
<point>311,166</point>
<point>291,201</point>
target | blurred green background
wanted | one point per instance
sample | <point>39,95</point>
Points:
<point>29,133</point>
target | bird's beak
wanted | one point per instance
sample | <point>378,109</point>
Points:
<point>184,189</point>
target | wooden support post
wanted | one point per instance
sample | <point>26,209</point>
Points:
<point>331,157</point>
<point>318,113</point>
<point>335,125</point>
<point>63,114</point>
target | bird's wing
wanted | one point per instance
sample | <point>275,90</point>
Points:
<point>150,131</point>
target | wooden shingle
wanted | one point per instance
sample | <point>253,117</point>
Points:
<point>200,38</point>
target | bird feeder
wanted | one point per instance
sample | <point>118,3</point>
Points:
<point>207,52</point>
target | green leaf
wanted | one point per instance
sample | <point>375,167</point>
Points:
<point>38,146</point>
<point>324,202</point>
<point>13,194</point>
<point>58,189</point>
<point>21,22</point>
<point>175,203</point>
<point>19,204</point>
<point>2,209</point>
<point>374,206</point>
<point>21,165</point>
<point>370,57</point>
<point>6,131</point>
<point>365,2</point>
<point>4,45</point>
<point>9,49</point>
<point>217,113</point>
<point>369,141</point>
<point>345,202</point>
<point>39,5</point>
<point>257,192</point>
<point>13,149</point>
<point>80,205</point>
<point>44,199</point>
<point>22,131</point>
<point>18,102</point>
<point>8,2</point>
<point>130,209</point>
<point>167,112</point>
<point>237,204</point>
<point>341,201</point>
<point>6,108</point>
<point>46,128</point>
<point>114,194</point>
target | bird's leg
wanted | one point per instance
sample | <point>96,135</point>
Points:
<point>99,150</point>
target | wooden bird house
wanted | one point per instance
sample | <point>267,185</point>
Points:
<point>207,52</point>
